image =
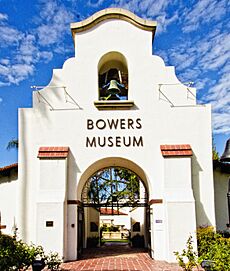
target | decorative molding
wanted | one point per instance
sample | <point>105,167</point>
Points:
<point>113,13</point>
<point>74,202</point>
<point>114,105</point>
<point>155,201</point>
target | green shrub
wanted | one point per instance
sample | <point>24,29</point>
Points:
<point>188,258</point>
<point>213,246</point>
<point>16,255</point>
<point>53,261</point>
<point>104,228</point>
<point>7,247</point>
<point>113,228</point>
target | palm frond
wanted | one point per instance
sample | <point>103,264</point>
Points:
<point>13,144</point>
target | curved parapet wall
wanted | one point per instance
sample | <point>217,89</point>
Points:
<point>113,13</point>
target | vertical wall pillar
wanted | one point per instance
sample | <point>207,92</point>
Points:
<point>51,205</point>
<point>179,199</point>
<point>157,229</point>
<point>72,229</point>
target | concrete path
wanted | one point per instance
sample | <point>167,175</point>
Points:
<point>119,257</point>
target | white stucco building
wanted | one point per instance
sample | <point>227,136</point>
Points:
<point>76,127</point>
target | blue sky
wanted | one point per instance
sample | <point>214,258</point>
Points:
<point>35,38</point>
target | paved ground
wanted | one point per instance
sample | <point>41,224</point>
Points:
<point>118,257</point>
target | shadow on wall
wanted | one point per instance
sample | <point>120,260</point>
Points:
<point>22,176</point>
<point>55,96</point>
<point>73,170</point>
<point>201,216</point>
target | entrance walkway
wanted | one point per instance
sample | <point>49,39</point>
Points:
<point>119,257</point>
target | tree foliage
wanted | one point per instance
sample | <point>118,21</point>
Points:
<point>13,144</point>
<point>215,154</point>
<point>113,185</point>
<point>188,258</point>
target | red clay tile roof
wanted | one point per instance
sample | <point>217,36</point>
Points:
<point>9,167</point>
<point>176,150</point>
<point>53,152</point>
<point>105,211</point>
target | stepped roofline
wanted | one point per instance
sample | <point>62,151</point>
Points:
<point>113,13</point>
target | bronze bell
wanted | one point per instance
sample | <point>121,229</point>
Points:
<point>113,87</point>
<point>113,90</point>
<point>226,155</point>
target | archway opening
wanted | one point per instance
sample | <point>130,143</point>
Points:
<point>116,211</point>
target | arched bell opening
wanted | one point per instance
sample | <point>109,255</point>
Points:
<point>113,77</point>
<point>115,202</point>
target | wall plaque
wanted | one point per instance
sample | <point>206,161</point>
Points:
<point>49,223</point>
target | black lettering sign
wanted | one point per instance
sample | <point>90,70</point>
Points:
<point>130,124</point>
<point>91,143</point>
<point>90,125</point>
<point>116,141</point>
<point>101,141</point>
<point>101,124</point>
<point>138,126</point>
<point>138,142</point>
<point>113,123</point>
<point>127,141</point>
<point>110,141</point>
<point>122,124</point>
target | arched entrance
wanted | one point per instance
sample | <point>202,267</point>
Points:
<point>114,207</point>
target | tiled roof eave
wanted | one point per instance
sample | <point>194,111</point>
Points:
<point>9,167</point>
<point>53,152</point>
<point>170,151</point>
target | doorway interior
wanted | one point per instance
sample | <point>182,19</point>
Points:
<point>114,210</point>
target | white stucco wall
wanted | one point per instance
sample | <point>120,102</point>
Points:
<point>160,124</point>
<point>51,206</point>
<point>91,215</point>
<point>9,202</point>
<point>180,204</point>
<point>138,215</point>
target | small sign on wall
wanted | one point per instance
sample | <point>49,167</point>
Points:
<point>159,221</point>
<point>49,223</point>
